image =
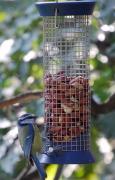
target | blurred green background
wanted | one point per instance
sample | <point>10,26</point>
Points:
<point>21,70</point>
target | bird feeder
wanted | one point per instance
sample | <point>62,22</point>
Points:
<point>66,78</point>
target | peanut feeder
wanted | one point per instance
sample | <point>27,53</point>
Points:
<point>66,78</point>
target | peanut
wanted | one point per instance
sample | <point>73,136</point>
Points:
<point>67,104</point>
<point>67,109</point>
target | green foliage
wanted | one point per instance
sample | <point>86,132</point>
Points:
<point>21,70</point>
<point>107,121</point>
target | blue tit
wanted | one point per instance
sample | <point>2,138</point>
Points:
<point>31,141</point>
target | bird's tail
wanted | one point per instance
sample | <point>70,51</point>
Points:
<point>40,168</point>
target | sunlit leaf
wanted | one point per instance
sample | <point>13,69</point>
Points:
<point>3,16</point>
<point>51,170</point>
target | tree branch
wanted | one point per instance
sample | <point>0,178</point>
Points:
<point>31,176</point>
<point>23,172</point>
<point>96,108</point>
<point>21,99</point>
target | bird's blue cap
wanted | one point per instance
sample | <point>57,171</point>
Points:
<point>80,7</point>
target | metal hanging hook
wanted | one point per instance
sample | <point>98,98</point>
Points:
<point>56,12</point>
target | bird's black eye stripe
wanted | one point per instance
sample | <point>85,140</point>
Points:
<point>27,116</point>
<point>23,120</point>
<point>26,119</point>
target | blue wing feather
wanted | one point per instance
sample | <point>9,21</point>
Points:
<point>28,142</point>
<point>39,167</point>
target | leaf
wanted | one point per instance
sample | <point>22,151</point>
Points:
<point>106,124</point>
<point>3,16</point>
<point>51,170</point>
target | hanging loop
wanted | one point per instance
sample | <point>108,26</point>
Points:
<point>56,12</point>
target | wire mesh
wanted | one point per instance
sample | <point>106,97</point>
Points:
<point>66,78</point>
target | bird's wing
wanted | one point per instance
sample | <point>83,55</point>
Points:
<point>37,142</point>
<point>40,168</point>
<point>27,147</point>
